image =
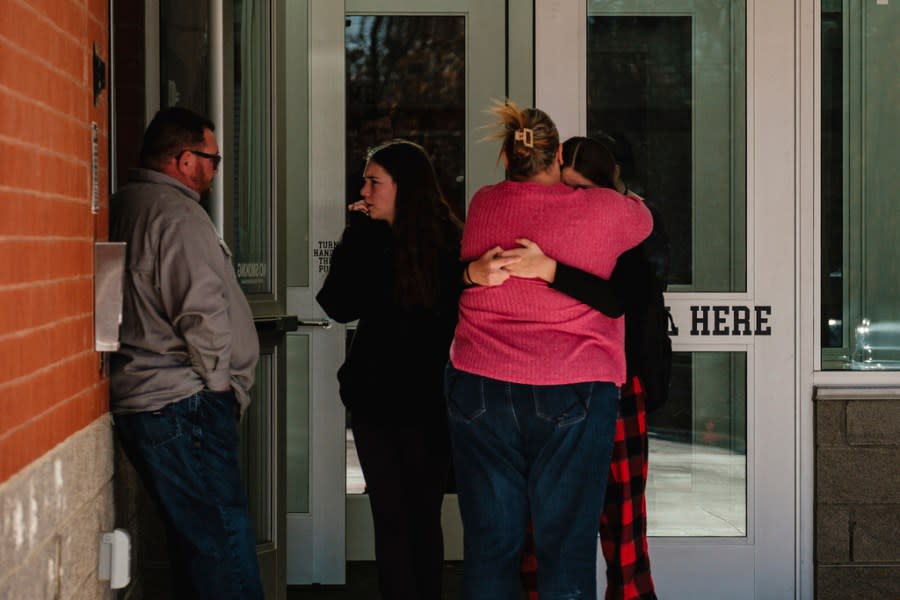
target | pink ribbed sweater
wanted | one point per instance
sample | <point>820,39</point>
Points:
<point>524,331</point>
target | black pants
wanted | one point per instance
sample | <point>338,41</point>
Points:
<point>406,468</point>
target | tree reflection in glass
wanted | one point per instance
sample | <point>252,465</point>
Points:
<point>406,79</point>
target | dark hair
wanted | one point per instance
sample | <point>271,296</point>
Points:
<point>591,159</point>
<point>172,130</point>
<point>618,144</point>
<point>530,139</point>
<point>424,226</point>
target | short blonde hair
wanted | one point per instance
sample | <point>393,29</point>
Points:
<point>530,138</point>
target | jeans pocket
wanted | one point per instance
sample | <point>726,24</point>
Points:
<point>563,405</point>
<point>154,428</point>
<point>225,401</point>
<point>219,414</point>
<point>464,393</point>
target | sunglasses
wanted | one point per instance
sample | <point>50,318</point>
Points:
<point>215,158</point>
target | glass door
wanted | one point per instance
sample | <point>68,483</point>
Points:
<point>419,69</point>
<point>217,57</point>
<point>424,72</point>
<point>706,138</point>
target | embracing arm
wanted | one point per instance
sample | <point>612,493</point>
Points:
<point>598,293</point>
<point>489,269</point>
<point>604,295</point>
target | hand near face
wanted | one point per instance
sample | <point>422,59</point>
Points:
<point>489,269</point>
<point>532,263</point>
<point>359,206</point>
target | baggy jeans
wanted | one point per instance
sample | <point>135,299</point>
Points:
<point>187,456</point>
<point>538,451</point>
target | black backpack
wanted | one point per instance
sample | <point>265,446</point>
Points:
<point>648,347</point>
<point>654,366</point>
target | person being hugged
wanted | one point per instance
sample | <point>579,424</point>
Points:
<point>532,383</point>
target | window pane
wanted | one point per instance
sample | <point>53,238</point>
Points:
<point>832,176</point>
<point>860,255</point>
<point>296,141</point>
<point>697,482</point>
<point>298,433</point>
<point>406,79</point>
<point>184,54</point>
<point>668,83</point>
<point>251,150</point>
<point>257,457</point>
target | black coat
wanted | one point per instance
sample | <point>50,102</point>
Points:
<point>395,363</point>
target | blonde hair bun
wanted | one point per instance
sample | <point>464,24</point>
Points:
<point>530,138</point>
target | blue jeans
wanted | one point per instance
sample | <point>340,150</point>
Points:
<point>187,456</point>
<point>533,451</point>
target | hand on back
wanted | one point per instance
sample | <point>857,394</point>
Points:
<point>491,268</point>
<point>530,263</point>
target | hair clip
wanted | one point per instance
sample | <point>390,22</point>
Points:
<point>526,136</point>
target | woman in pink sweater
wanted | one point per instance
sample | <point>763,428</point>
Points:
<point>532,384</point>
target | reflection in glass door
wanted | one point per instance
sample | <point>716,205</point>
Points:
<point>860,293</point>
<point>649,75</point>
<point>697,483</point>
<point>675,84</point>
<point>406,78</point>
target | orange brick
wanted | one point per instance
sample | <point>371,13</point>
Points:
<point>30,214</point>
<point>42,38</point>
<point>13,316</point>
<point>98,33</point>
<point>26,168</point>
<point>50,384</point>
<point>32,122</point>
<point>101,227</point>
<point>44,260</point>
<point>35,395</point>
<point>22,355</point>
<point>32,440</point>
<point>69,16</point>
<point>99,10</point>
<point>32,78</point>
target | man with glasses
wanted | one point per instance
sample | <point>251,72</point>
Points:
<point>186,363</point>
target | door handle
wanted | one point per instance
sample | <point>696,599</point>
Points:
<point>277,323</point>
<point>285,323</point>
<point>323,323</point>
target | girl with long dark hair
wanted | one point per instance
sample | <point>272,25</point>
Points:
<point>397,270</point>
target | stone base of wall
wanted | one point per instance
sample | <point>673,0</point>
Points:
<point>53,514</point>
<point>857,493</point>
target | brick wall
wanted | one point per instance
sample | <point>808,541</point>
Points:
<point>857,494</point>
<point>55,435</point>
<point>50,385</point>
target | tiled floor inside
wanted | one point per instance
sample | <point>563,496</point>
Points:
<point>693,490</point>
